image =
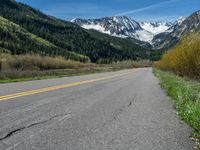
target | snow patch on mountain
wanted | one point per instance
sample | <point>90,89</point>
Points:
<point>180,20</point>
<point>144,35</point>
<point>95,27</point>
<point>155,27</point>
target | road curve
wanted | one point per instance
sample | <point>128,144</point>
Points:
<point>123,110</point>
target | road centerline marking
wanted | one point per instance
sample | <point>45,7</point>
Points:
<point>53,88</point>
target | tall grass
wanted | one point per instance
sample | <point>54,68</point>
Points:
<point>34,66</point>
<point>184,58</point>
<point>35,62</point>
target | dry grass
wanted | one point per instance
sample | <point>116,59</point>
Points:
<point>131,64</point>
<point>32,66</point>
<point>35,62</point>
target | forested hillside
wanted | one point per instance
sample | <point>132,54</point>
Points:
<point>60,37</point>
<point>17,40</point>
<point>128,47</point>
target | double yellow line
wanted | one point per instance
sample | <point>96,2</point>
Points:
<point>42,90</point>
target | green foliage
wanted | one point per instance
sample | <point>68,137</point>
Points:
<point>64,37</point>
<point>186,94</point>
<point>184,58</point>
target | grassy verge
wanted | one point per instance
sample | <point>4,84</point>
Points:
<point>186,95</point>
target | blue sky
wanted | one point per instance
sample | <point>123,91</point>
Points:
<point>140,10</point>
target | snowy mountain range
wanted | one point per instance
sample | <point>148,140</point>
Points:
<point>158,35</point>
<point>125,27</point>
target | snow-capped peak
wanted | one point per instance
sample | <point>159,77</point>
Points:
<point>180,20</point>
<point>73,19</point>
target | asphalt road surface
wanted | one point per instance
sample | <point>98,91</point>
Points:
<point>123,110</point>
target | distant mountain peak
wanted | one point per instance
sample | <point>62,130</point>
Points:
<point>198,12</point>
<point>119,26</point>
<point>124,27</point>
<point>180,20</point>
<point>72,20</point>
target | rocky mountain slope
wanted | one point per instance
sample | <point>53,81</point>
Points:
<point>181,28</point>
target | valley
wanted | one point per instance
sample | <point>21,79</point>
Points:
<point>100,81</point>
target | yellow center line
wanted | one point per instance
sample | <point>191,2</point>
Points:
<point>42,90</point>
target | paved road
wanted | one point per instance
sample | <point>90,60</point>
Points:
<point>124,110</point>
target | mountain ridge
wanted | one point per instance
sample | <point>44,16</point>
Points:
<point>182,27</point>
<point>124,27</point>
<point>160,35</point>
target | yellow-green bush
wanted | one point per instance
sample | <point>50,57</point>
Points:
<point>184,58</point>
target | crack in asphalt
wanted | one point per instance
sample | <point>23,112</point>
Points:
<point>132,101</point>
<point>124,108</point>
<point>31,125</point>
